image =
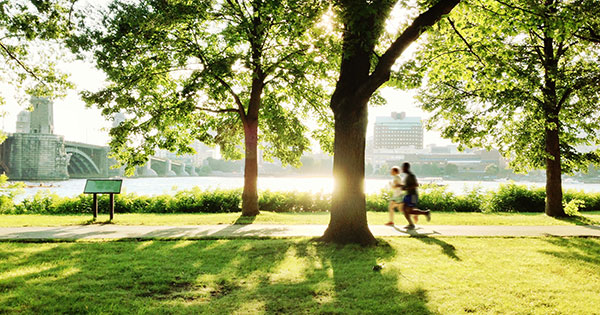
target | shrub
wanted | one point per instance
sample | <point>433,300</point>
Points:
<point>516,198</point>
<point>572,207</point>
<point>508,198</point>
<point>434,197</point>
<point>293,201</point>
<point>378,201</point>
<point>591,200</point>
<point>6,204</point>
<point>472,201</point>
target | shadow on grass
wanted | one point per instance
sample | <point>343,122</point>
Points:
<point>576,249</point>
<point>580,220</point>
<point>447,248</point>
<point>221,276</point>
<point>245,219</point>
<point>94,221</point>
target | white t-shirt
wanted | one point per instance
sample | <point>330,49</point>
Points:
<point>397,180</point>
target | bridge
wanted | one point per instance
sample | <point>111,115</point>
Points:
<point>30,156</point>
<point>34,152</point>
<point>87,160</point>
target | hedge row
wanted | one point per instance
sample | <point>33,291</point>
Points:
<point>508,198</point>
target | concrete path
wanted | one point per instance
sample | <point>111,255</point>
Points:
<point>110,231</point>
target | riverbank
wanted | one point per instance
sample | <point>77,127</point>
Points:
<point>172,185</point>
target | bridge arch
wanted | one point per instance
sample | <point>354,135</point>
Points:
<point>81,163</point>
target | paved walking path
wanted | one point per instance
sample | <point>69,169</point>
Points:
<point>110,231</point>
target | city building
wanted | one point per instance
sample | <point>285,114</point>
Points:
<point>398,131</point>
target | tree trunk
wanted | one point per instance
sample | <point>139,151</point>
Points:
<point>250,194</point>
<point>554,207</point>
<point>348,222</point>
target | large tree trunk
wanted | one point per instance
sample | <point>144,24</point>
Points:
<point>348,222</point>
<point>250,194</point>
<point>554,205</point>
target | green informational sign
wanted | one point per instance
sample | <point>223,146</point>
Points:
<point>103,186</point>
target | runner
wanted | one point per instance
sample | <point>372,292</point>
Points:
<point>409,202</point>
<point>397,193</point>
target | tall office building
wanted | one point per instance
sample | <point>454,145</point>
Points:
<point>397,131</point>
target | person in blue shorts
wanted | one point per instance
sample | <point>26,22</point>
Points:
<point>411,197</point>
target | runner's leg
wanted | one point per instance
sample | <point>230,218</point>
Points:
<point>406,210</point>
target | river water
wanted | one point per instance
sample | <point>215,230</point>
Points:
<point>169,185</point>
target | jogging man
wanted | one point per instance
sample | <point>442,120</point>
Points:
<point>411,197</point>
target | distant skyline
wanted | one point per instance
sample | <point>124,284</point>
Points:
<point>76,122</point>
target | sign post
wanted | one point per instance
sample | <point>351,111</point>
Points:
<point>103,186</point>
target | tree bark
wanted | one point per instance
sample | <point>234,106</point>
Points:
<point>348,222</point>
<point>250,194</point>
<point>554,207</point>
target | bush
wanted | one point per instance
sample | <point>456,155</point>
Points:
<point>515,198</point>
<point>508,198</point>
<point>293,201</point>
<point>591,200</point>
<point>572,207</point>
<point>378,201</point>
<point>437,198</point>
<point>6,204</point>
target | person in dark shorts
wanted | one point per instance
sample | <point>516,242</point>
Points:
<point>411,197</point>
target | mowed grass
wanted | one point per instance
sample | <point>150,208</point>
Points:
<point>438,218</point>
<point>298,276</point>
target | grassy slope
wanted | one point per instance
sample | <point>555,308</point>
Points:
<point>420,276</point>
<point>439,218</point>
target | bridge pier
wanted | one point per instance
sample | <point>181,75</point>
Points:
<point>146,170</point>
<point>179,169</point>
<point>191,170</point>
<point>29,156</point>
<point>162,167</point>
<point>169,171</point>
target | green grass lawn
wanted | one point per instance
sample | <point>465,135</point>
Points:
<point>438,218</point>
<point>297,276</point>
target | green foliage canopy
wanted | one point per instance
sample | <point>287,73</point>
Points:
<point>185,70</point>
<point>498,74</point>
<point>28,50</point>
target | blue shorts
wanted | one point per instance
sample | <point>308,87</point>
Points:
<point>410,200</point>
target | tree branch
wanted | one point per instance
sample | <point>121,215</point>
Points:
<point>465,41</point>
<point>236,97</point>
<point>23,66</point>
<point>537,47</point>
<point>381,74</point>
<point>564,98</point>
<point>221,110</point>
<point>426,63</point>
<point>519,8</point>
<point>272,67</point>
